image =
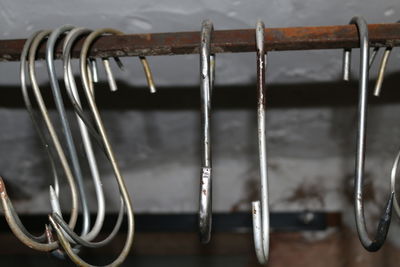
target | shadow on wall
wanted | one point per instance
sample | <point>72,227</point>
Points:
<point>224,97</point>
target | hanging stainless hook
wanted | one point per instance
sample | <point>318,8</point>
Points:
<point>121,183</point>
<point>384,223</point>
<point>71,88</point>
<point>73,155</point>
<point>260,208</point>
<point>11,216</point>
<point>207,68</point>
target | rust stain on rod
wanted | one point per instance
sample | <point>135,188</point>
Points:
<point>223,41</point>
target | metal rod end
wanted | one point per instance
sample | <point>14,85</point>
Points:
<point>3,191</point>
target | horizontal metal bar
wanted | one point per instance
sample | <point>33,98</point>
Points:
<point>223,41</point>
<point>222,222</point>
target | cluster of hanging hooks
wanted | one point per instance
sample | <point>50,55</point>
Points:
<point>260,208</point>
<point>59,236</point>
<point>91,127</point>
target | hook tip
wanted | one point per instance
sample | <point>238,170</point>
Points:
<point>2,187</point>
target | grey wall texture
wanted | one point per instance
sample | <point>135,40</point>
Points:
<point>311,116</point>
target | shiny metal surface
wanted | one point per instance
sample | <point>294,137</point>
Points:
<point>207,68</point>
<point>73,154</point>
<point>381,73</point>
<point>375,243</point>
<point>260,209</point>
<point>110,154</point>
<point>71,88</point>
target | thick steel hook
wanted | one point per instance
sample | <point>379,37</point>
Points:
<point>260,208</point>
<point>384,223</point>
<point>207,70</point>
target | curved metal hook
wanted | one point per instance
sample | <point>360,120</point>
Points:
<point>384,223</point>
<point>12,218</point>
<point>16,226</point>
<point>207,70</point>
<point>73,155</point>
<point>260,208</point>
<point>121,183</point>
<point>71,88</point>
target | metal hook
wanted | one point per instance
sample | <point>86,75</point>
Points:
<point>51,129</point>
<point>11,216</point>
<point>207,70</point>
<point>71,88</point>
<point>260,208</point>
<point>121,183</point>
<point>384,223</point>
<point>73,155</point>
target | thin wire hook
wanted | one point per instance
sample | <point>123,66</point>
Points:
<point>121,183</point>
<point>73,155</point>
<point>384,223</point>
<point>72,91</point>
<point>11,216</point>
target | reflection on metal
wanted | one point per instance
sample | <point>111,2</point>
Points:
<point>260,208</point>
<point>378,240</point>
<point>206,84</point>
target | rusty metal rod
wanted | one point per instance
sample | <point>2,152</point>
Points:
<point>223,41</point>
